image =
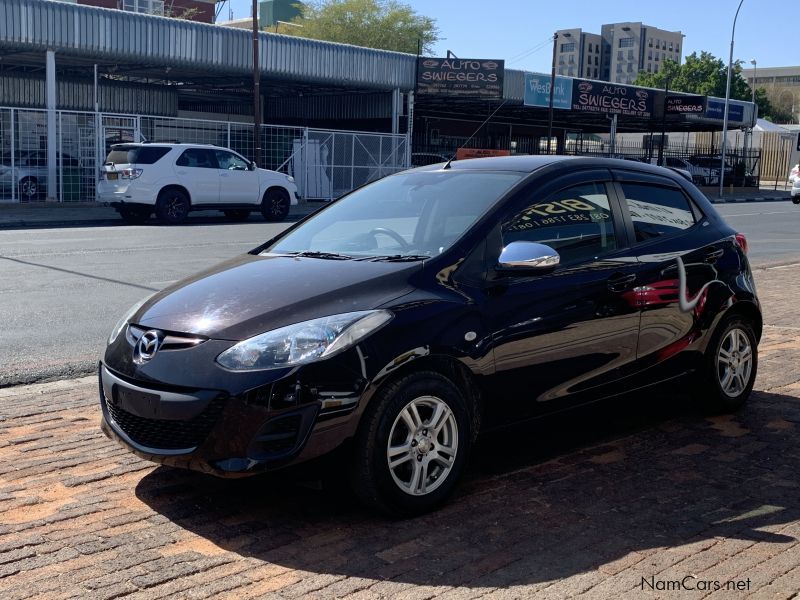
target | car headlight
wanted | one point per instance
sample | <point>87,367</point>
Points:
<point>290,179</point>
<point>304,342</point>
<point>124,320</point>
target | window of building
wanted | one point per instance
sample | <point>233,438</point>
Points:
<point>619,55</point>
<point>670,46</point>
<point>649,67</point>
<point>595,72</point>
<point>626,42</point>
<point>571,72</point>
<point>650,42</point>
<point>619,68</point>
<point>560,70</point>
<point>657,55</point>
<point>150,7</point>
<point>649,55</point>
<point>630,54</point>
<point>630,67</point>
<point>596,61</point>
<point>677,49</point>
<point>570,47</point>
<point>590,46</point>
<point>572,59</point>
<point>655,69</point>
<point>658,43</point>
<point>657,211</point>
<point>586,235</point>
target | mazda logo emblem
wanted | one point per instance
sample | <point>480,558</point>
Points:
<point>146,347</point>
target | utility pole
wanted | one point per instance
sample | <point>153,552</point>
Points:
<point>727,102</point>
<point>552,90</point>
<point>663,123</point>
<point>256,89</point>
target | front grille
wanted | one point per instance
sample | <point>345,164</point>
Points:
<point>279,436</point>
<point>167,435</point>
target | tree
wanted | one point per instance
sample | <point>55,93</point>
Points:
<point>707,75</point>
<point>384,24</point>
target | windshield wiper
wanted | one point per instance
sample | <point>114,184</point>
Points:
<point>324,255</point>
<point>397,257</point>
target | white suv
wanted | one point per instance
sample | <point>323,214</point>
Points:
<point>173,179</point>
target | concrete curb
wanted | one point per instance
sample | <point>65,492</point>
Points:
<point>753,199</point>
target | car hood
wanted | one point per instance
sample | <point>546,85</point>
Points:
<point>251,294</point>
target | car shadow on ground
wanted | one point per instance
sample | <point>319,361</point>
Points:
<point>543,501</point>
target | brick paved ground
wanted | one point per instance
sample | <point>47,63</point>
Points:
<point>581,506</point>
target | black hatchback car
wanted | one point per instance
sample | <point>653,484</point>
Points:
<point>424,308</point>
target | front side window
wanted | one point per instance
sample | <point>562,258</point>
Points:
<point>575,222</point>
<point>199,158</point>
<point>229,161</point>
<point>409,214</point>
<point>657,211</point>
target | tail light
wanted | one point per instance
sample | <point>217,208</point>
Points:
<point>741,241</point>
<point>130,173</point>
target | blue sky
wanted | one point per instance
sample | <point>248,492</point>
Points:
<point>507,29</point>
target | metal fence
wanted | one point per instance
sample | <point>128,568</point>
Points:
<point>324,163</point>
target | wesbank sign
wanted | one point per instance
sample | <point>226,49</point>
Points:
<point>537,91</point>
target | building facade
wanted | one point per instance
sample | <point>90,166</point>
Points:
<point>202,11</point>
<point>618,53</point>
<point>782,85</point>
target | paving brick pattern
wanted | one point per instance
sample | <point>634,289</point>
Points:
<point>590,505</point>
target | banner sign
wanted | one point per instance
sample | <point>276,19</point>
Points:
<point>684,104</point>
<point>537,91</point>
<point>612,98</point>
<point>460,77</point>
<point>463,153</point>
<point>716,110</point>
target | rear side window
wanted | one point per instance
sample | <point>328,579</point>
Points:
<point>657,211</point>
<point>200,158</point>
<point>136,155</point>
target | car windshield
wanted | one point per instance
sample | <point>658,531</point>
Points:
<point>409,215</point>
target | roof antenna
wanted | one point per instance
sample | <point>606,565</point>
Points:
<point>474,133</point>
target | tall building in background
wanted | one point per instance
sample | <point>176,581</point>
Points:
<point>272,11</point>
<point>194,10</point>
<point>618,54</point>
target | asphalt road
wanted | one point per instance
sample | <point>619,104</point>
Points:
<point>63,289</point>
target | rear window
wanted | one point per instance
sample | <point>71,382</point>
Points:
<point>141,155</point>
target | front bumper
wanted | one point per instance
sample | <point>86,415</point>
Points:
<point>215,432</point>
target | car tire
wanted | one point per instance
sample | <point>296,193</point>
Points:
<point>236,215</point>
<point>134,216</point>
<point>796,199</point>
<point>172,207</point>
<point>729,367</point>
<point>275,205</point>
<point>29,189</point>
<point>398,426</point>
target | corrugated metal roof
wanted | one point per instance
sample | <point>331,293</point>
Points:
<point>103,34</point>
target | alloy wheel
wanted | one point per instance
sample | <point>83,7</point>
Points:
<point>734,362</point>
<point>422,445</point>
<point>175,207</point>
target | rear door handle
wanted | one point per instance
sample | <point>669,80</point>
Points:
<point>620,282</point>
<point>713,254</point>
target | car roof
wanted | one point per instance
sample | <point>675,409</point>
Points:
<point>165,144</point>
<point>531,163</point>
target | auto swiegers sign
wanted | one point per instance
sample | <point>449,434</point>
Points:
<point>460,77</point>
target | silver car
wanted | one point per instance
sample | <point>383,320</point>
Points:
<point>29,174</point>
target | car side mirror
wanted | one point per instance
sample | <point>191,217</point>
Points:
<point>252,166</point>
<point>528,256</point>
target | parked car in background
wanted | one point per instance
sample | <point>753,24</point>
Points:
<point>407,317</point>
<point>796,191</point>
<point>678,165</point>
<point>705,169</point>
<point>174,179</point>
<point>29,173</point>
<point>794,174</point>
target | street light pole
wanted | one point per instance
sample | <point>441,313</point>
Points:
<point>727,101</point>
<point>755,70</point>
<point>256,89</point>
<point>552,90</point>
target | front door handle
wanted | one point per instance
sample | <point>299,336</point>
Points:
<point>620,281</point>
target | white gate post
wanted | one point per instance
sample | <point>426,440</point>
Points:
<point>50,85</point>
<point>13,152</point>
<point>409,128</point>
<point>60,157</point>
